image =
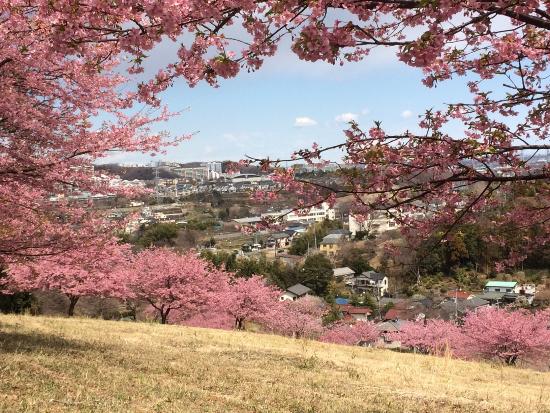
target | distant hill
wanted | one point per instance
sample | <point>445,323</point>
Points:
<point>88,365</point>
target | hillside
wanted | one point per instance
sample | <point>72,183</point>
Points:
<point>85,365</point>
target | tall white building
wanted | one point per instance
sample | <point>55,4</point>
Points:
<point>313,214</point>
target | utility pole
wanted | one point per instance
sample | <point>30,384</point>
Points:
<point>456,303</point>
<point>315,233</point>
<point>157,187</point>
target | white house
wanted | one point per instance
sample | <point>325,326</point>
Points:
<point>295,292</point>
<point>502,287</point>
<point>372,281</point>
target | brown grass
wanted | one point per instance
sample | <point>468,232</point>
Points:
<point>85,365</point>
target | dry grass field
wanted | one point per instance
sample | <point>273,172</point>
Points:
<point>85,365</point>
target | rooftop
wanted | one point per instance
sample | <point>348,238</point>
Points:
<point>461,295</point>
<point>249,220</point>
<point>373,275</point>
<point>491,296</point>
<point>280,235</point>
<point>340,272</point>
<point>338,232</point>
<point>299,289</point>
<point>502,284</point>
<point>390,326</point>
<point>332,239</point>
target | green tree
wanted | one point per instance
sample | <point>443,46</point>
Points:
<point>161,234</point>
<point>356,259</point>
<point>316,273</point>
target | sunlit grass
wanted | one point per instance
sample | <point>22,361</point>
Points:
<point>84,365</point>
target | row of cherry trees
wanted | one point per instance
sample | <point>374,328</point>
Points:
<point>489,333</point>
<point>183,289</point>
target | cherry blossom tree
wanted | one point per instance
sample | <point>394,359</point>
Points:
<point>62,109</point>
<point>301,318</point>
<point>359,333</point>
<point>247,299</point>
<point>74,273</point>
<point>431,337</point>
<point>60,66</point>
<point>488,333</point>
<point>173,283</point>
<point>509,336</point>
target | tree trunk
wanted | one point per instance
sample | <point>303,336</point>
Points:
<point>239,324</point>
<point>511,360</point>
<point>164,316</point>
<point>72,304</point>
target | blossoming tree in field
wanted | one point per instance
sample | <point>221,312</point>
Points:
<point>248,299</point>
<point>74,273</point>
<point>431,337</point>
<point>489,333</point>
<point>301,318</point>
<point>173,283</point>
<point>509,336</point>
<point>359,333</point>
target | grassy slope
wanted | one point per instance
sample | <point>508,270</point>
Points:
<point>57,365</point>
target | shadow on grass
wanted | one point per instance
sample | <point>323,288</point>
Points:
<point>47,344</point>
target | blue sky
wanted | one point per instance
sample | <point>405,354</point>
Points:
<point>256,113</point>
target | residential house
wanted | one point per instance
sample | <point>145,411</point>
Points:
<point>353,313</point>
<point>498,298</point>
<point>279,239</point>
<point>295,292</point>
<point>331,244</point>
<point>376,223</point>
<point>452,310</point>
<point>410,313</point>
<point>409,310</point>
<point>371,281</point>
<point>502,292</point>
<point>497,286</point>
<point>458,295</point>
<point>343,273</point>
<point>499,292</point>
<point>387,329</point>
<point>343,232</point>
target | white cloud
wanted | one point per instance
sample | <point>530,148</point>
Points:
<point>304,121</point>
<point>365,111</point>
<point>406,114</point>
<point>346,117</point>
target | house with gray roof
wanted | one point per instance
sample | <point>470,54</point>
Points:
<point>343,273</point>
<point>459,308</point>
<point>372,281</point>
<point>295,292</point>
